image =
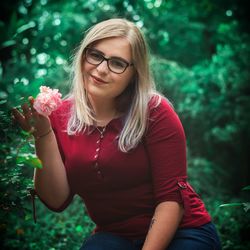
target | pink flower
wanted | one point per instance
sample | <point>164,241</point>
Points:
<point>47,100</point>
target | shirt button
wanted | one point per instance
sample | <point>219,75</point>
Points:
<point>99,175</point>
<point>98,142</point>
<point>97,150</point>
<point>96,166</point>
<point>96,156</point>
<point>182,184</point>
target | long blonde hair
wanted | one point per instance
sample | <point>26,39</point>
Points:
<point>140,90</point>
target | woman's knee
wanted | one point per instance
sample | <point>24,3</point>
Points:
<point>204,237</point>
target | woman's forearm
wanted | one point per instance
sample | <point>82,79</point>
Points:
<point>51,182</point>
<point>163,225</point>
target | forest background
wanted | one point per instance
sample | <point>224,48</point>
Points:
<point>200,60</point>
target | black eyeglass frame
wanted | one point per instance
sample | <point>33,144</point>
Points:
<point>107,60</point>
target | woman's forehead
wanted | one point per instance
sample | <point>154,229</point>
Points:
<point>114,46</point>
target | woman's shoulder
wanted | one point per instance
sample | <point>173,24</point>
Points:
<point>60,116</point>
<point>159,104</point>
<point>65,107</point>
<point>163,118</point>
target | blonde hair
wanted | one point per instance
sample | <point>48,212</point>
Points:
<point>139,92</point>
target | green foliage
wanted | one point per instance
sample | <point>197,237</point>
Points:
<point>200,55</point>
<point>52,231</point>
<point>235,221</point>
<point>14,181</point>
<point>17,228</point>
<point>233,224</point>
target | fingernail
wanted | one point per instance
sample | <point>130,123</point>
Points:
<point>31,99</point>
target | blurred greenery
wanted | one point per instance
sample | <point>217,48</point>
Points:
<point>200,55</point>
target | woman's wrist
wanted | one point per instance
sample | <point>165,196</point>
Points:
<point>42,135</point>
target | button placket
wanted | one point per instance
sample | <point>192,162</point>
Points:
<point>97,152</point>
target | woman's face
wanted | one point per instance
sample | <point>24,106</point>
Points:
<point>100,81</point>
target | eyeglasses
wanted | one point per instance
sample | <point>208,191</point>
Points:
<point>115,64</point>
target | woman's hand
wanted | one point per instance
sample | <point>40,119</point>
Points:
<point>30,120</point>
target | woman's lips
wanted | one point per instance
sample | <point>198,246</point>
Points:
<point>98,80</point>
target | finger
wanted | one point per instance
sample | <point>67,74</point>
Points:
<point>19,118</point>
<point>16,114</point>
<point>34,112</point>
<point>22,121</point>
<point>31,101</point>
<point>26,111</point>
<point>29,117</point>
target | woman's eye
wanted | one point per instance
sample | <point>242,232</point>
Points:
<point>117,63</point>
<point>95,56</point>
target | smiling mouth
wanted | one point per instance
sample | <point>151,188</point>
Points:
<point>98,80</point>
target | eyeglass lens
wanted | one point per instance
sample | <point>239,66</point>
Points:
<point>115,65</point>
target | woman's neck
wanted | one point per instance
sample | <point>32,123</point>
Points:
<point>105,111</point>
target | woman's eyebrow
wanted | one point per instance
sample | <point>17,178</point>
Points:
<point>114,57</point>
<point>97,50</point>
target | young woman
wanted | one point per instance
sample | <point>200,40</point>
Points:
<point>120,146</point>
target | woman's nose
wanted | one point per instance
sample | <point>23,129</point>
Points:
<point>103,67</point>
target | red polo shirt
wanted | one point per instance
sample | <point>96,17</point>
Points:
<point>121,190</point>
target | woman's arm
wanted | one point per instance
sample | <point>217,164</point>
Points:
<point>163,225</point>
<point>51,182</point>
<point>166,149</point>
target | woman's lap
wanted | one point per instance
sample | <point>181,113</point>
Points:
<point>107,241</point>
<point>204,237</point>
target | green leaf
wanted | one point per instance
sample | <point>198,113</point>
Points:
<point>79,229</point>
<point>246,188</point>
<point>246,206</point>
<point>8,43</point>
<point>2,102</point>
<point>35,162</point>
<point>25,27</point>
<point>236,204</point>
